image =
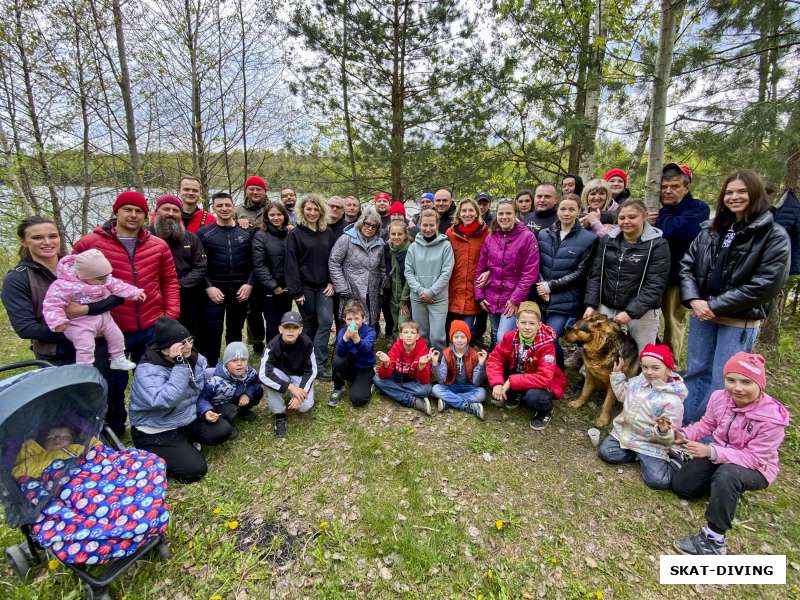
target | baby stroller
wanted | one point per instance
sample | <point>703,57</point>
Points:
<point>89,506</point>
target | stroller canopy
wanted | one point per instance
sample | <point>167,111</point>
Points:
<point>48,417</point>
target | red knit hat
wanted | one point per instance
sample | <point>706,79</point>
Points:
<point>169,199</point>
<point>461,326</point>
<point>384,196</point>
<point>659,351</point>
<point>616,173</point>
<point>748,365</point>
<point>255,180</point>
<point>131,198</point>
<point>397,208</point>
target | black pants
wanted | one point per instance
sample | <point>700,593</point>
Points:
<point>388,318</point>
<point>229,315</point>
<point>193,306</point>
<point>479,329</point>
<point>184,462</point>
<point>338,319</point>
<point>344,370</point>
<point>255,316</point>
<point>274,308</point>
<point>724,483</point>
<point>230,410</point>
<point>539,401</point>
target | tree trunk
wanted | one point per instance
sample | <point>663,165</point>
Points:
<point>641,143</point>
<point>670,20</point>
<point>244,90</point>
<point>221,85</point>
<point>87,178</point>
<point>348,126</point>
<point>584,63</point>
<point>124,82</point>
<point>398,98</point>
<point>199,161</point>
<point>15,158</point>
<point>594,86</point>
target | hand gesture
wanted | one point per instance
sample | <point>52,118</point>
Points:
<point>423,360</point>
<point>664,424</point>
<point>211,416</point>
<point>434,355</point>
<point>215,294</point>
<point>244,222</point>
<point>482,356</point>
<point>244,400</point>
<point>382,357</point>
<point>175,350</point>
<point>482,279</point>
<point>618,365</point>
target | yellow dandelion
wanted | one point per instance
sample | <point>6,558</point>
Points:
<point>231,524</point>
<point>217,510</point>
<point>489,574</point>
<point>499,524</point>
<point>216,597</point>
<point>323,524</point>
<point>52,564</point>
<point>599,595</point>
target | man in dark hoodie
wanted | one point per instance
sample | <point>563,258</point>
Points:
<point>545,203</point>
<point>679,220</point>
<point>444,205</point>
<point>484,201</point>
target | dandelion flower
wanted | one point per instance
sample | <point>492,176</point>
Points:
<point>52,564</point>
<point>323,524</point>
<point>499,524</point>
<point>217,510</point>
<point>216,597</point>
<point>599,595</point>
<point>489,574</point>
<point>231,524</point>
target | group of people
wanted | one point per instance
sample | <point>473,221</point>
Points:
<point>157,291</point>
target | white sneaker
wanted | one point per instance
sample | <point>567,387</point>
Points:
<point>122,364</point>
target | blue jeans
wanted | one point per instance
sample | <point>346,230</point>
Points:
<point>459,395</point>
<point>317,311</point>
<point>560,323</point>
<point>709,348</point>
<point>404,392</point>
<point>656,472</point>
<point>501,325</point>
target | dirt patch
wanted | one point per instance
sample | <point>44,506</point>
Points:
<point>278,539</point>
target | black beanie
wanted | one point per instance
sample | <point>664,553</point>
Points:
<point>168,332</point>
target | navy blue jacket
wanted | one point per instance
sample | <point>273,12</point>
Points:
<point>564,265</point>
<point>229,254</point>
<point>363,353</point>
<point>787,213</point>
<point>679,225</point>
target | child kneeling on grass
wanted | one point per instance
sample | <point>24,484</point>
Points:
<point>354,358</point>
<point>522,367</point>
<point>460,372</point>
<point>232,388</point>
<point>653,405</point>
<point>289,366</point>
<point>405,373</point>
<point>746,426</point>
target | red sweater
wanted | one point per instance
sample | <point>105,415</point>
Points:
<point>200,218</point>
<point>540,368</point>
<point>151,269</point>
<point>405,363</point>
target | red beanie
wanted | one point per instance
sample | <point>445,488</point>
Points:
<point>131,198</point>
<point>461,326</point>
<point>384,196</point>
<point>397,208</point>
<point>169,199</point>
<point>255,180</point>
<point>616,173</point>
<point>659,351</point>
<point>748,365</point>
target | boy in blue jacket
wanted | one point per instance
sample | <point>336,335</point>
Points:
<point>354,358</point>
<point>232,388</point>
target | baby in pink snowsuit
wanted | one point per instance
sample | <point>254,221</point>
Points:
<point>85,278</point>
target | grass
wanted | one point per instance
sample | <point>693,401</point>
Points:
<point>383,502</point>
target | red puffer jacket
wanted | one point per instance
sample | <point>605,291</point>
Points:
<point>151,268</point>
<point>541,370</point>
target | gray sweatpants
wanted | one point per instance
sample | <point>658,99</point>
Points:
<point>644,329</point>
<point>275,400</point>
<point>432,321</point>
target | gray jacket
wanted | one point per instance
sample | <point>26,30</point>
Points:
<point>357,269</point>
<point>429,266</point>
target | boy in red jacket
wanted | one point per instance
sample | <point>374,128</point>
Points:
<point>405,373</point>
<point>522,367</point>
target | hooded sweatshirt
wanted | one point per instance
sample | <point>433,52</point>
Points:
<point>405,365</point>
<point>428,267</point>
<point>644,401</point>
<point>748,436</point>
<point>221,387</point>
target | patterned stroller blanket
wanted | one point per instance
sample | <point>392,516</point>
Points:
<point>111,502</point>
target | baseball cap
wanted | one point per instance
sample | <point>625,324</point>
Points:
<point>292,318</point>
<point>675,166</point>
<point>483,197</point>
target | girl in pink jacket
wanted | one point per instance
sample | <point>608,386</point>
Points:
<point>85,278</point>
<point>746,426</point>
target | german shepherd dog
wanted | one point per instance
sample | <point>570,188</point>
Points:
<point>604,342</point>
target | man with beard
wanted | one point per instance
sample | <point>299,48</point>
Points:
<point>383,202</point>
<point>189,257</point>
<point>289,199</point>
<point>251,212</point>
<point>194,217</point>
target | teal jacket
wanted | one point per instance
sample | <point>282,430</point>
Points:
<point>428,266</point>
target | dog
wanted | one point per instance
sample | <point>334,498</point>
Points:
<point>604,342</point>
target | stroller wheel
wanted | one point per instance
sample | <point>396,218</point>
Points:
<point>19,561</point>
<point>163,551</point>
<point>91,593</point>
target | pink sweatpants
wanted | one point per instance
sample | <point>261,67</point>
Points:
<point>82,331</point>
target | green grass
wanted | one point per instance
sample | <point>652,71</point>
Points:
<point>383,502</point>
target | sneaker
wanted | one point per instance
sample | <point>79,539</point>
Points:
<point>512,402</point>
<point>122,364</point>
<point>333,400</point>
<point>234,434</point>
<point>247,415</point>
<point>280,425</point>
<point>476,408</point>
<point>325,375</point>
<point>423,405</point>
<point>440,405</point>
<point>699,544</point>
<point>540,422</point>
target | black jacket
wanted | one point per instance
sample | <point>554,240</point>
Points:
<point>291,359</point>
<point>24,288</point>
<point>307,253</point>
<point>629,277</point>
<point>269,258</point>
<point>539,220</point>
<point>679,225</point>
<point>229,254</point>
<point>756,269</point>
<point>563,265</point>
<point>189,257</point>
<point>787,214</point>
<point>446,220</point>
<point>337,229</point>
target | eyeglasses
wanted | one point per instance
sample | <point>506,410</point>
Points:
<point>368,224</point>
<point>335,207</point>
<point>189,340</point>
